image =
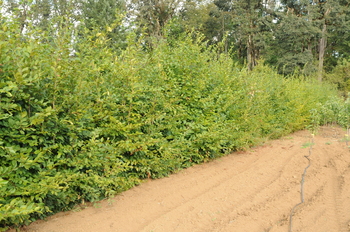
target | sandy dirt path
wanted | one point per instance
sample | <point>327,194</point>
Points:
<point>251,191</point>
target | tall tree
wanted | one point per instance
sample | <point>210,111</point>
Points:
<point>106,14</point>
<point>338,46</point>
<point>101,13</point>
<point>307,35</point>
<point>43,13</point>
<point>293,45</point>
<point>321,10</point>
<point>19,10</point>
<point>152,15</point>
<point>334,16</point>
<point>247,26</point>
<point>205,18</point>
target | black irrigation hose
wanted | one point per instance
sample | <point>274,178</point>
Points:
<point>301,186</point>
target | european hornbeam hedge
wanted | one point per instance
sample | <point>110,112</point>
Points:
<point>88,123</point>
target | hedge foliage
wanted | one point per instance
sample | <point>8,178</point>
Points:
<point>90,125</point>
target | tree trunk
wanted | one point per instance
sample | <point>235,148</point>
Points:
<point>322,47</point>
<point>252,54</point>
<point>249,53</point>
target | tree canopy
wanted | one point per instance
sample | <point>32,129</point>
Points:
<point>304,35</point>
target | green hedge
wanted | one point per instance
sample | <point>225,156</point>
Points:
<point>90,125</point>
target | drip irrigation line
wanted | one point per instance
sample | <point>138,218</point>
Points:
<point>301,186</point>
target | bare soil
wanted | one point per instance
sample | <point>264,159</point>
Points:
<point>252,191</point>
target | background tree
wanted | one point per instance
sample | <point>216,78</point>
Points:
<point>248,26</point>
<point>242,21</point>
<point>19,10</point>
<point>310,36</point>
<point>55,18</point>
<point>305,35</point>
<point>293,44</point>
<point>336,28</point>
<point>151,16</point>
<point>106,14</point>
<point>205,18</point>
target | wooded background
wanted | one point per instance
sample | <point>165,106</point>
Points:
<point>307,36</point>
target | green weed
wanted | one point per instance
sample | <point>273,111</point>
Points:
<point>305,145</point>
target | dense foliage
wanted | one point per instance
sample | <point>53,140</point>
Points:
<point>80,122</point>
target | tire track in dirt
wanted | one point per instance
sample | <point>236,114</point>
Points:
<point>324,202</point>
<point>252,191</point>
<point>338,194</point>
<point>224,197</point>
<point>215,181</point>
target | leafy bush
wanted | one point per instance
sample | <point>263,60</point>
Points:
<point>93,124</point>
<point>340,76</point>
